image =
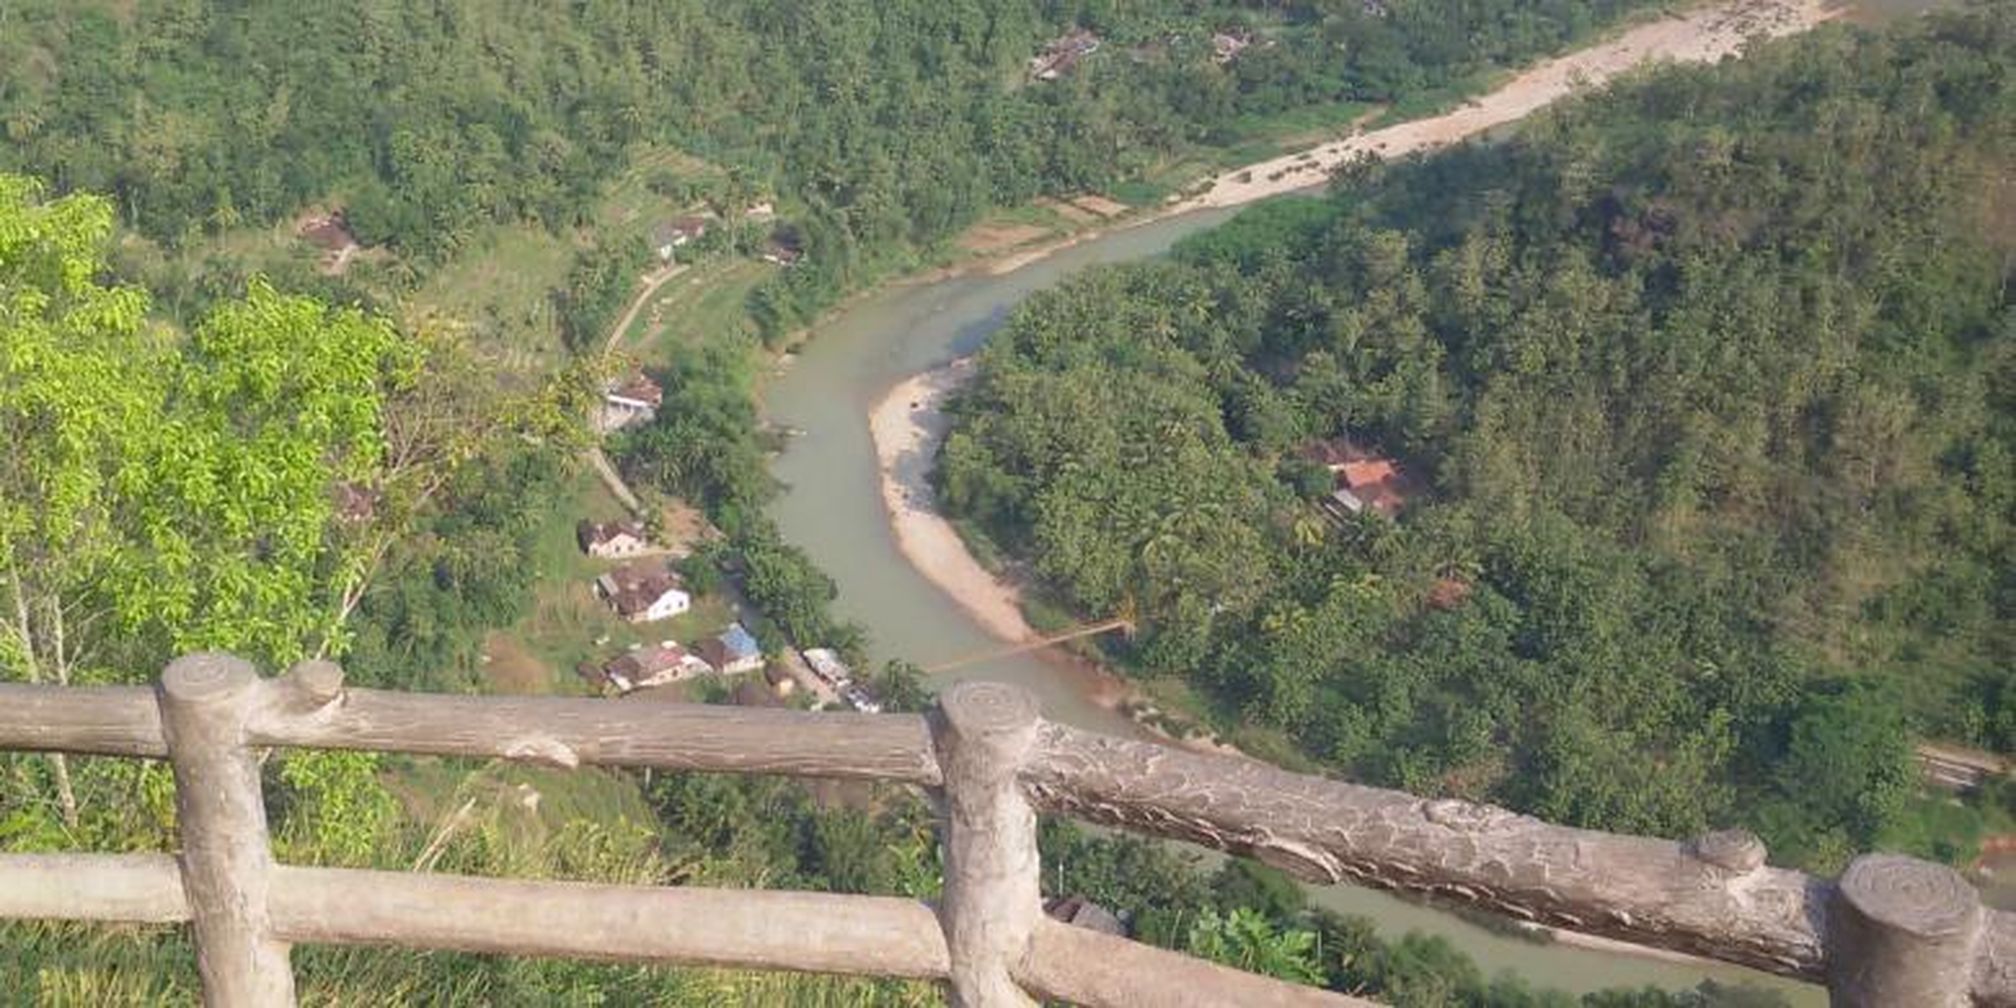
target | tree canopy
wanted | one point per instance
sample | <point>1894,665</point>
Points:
<point>1707,384</point>
<point>889,125</point>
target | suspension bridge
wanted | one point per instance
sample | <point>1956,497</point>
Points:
<point>1033,644</point>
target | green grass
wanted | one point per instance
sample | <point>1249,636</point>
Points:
<point>1029,213</point>
<point>1296,128</point>
<point>518,811</point>
<point>1947,828</point>
<point>501,286</point>
<point>629,206</point>
<point>566,624</point>
<point>709,303</point>
<point>1435,101</point>
<point>1141,192</point>
<point>1258,138</point>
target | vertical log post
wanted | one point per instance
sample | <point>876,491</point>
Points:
<point>206,700</point>
<point>983,731</point>
<point>1901,932</point>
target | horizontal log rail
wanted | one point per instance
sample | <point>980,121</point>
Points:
<point>732,928</point>
<point>1712,897</point>
<point>556,731</point>
<point>1891,931</point>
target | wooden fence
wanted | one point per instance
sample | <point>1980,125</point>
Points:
<point>1892,931</point>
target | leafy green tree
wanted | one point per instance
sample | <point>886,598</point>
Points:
<point>1245,939</point>
<point>168,492</point>
<point>901,686</point>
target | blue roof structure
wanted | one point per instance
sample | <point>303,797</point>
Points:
<point>739,642</point>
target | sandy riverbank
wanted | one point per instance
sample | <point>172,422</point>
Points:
<point>1702,35</point>
<point>908,424</point>
<point>1699,36</point>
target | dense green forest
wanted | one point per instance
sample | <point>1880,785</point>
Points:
<point>888,125</point>
<point>1709,382</point>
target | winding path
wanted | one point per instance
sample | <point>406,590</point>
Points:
<point>603,467</point>
<point>652,281</point>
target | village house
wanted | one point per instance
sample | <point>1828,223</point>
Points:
<point>783,248</point>
<point>643,591</point>
<point>763,211</point>
<point>1227,45</point>
<point>331,233</point>
<point>733,651</point>
<point>633,400</point>
<point>1062,54</point>
<point>828,667</point>
<point>1363,479</point>
<point>652,665</point>
<point>612,540</point>
<point>677,233</point>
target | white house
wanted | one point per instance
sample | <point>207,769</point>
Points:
<point>675,234</point>
<point>655,665</point>
<point>828,666</point>
<point>644,592</point>
<point>632,401</point>
<point>612,540</point>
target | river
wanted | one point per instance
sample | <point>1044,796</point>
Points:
<point>832,507</point>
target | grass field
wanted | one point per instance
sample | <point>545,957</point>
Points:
<point>501,287</point>
<point>710,301</point>
<point>530,818</point>
<point>630,205</point>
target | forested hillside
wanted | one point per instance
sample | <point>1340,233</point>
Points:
<point>892,123</point>
<point>1709,382</point>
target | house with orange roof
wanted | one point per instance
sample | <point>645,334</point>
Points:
<point>1363,478</point>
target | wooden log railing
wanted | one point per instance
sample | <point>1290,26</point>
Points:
<point>1892,931</point>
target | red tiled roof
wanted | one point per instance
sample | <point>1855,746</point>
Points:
<point>1373,479</point>
<point>1367,472</point>
<point>1381,497</point>
<point>330,231</point>
<point>1448,593</point>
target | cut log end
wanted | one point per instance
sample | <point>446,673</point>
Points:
<point>208,677</point>
<point>316,681</point>
<point>1733,850</point>
<point>989,710</point>
<point>1926,900</point>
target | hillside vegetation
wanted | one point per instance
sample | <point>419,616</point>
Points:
<point>1710,382</point>
<point>889,124</point>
